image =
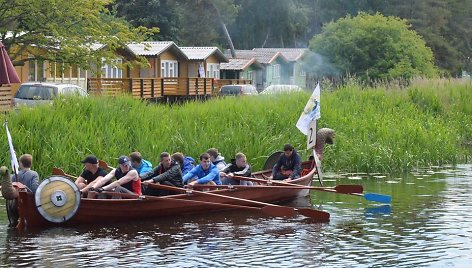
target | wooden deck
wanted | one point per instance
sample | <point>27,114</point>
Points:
<point>5,98</point>
<point>155,88</point>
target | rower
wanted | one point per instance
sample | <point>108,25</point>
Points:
<point>205,172</point>
<point>90,174</point>
<point>127,179</point>
<point>238,167</point>
<point>167,172</point>
<point>288,166</point>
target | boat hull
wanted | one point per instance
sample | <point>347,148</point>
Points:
<point>93,211</point>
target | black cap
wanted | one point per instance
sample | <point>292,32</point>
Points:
<point>123,160</point>
<point>91,159</point>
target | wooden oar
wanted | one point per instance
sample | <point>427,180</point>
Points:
<point>345,189</point>
<point>319,215</point>
<point>268,211</point>
<point>272,209</point>
<point>340,189</point>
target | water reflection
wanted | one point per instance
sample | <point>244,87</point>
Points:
<point>427,224</point>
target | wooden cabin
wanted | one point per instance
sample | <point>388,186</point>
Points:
<point>243,69</point>
<point>31,66</point>
<point>278,66</point>
<point>169,72</point>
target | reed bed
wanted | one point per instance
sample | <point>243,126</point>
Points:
<point>378,130</point>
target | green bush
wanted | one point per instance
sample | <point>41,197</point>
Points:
<point>371,48</point>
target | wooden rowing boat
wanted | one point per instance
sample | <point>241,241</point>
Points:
<point>58,201</point>
<point>73,210</point>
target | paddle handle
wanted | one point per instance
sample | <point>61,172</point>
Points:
<point>185,201</point>
<point>181,190</point>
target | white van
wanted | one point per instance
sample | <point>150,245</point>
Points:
<point>34,93</point>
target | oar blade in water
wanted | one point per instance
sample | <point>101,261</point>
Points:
<point>277,211</point>
<point>317,215</point>
<point>381,198</point>
<point>349,189</point>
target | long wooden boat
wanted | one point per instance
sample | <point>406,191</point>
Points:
<point>69,209</point>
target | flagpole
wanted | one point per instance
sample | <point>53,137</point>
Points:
<point>307,125</point>
<point>13,158</point>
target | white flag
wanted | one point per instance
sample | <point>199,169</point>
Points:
<point>13,158</point>
<point>311,112</point>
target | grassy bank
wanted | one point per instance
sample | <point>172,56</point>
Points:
<point>378,130</point>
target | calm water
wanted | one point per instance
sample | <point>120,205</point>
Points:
<point>428,224</point>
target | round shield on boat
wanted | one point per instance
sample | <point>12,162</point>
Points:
<point>57,199</point>
<point>271,160</point>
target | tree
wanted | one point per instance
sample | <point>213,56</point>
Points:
<point>271,23</point>
<point>201,21</point>
<point>444,25</point>
<point>151,13</point>
<point>69,31</point>
<point>374,47</point>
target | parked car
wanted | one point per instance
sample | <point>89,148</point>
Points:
<point>274,89</point>
<point>34,93</point>
<point>237,90</point>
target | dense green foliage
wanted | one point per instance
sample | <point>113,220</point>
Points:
<point>378,130</point>
<point>374,47</point>
<point>444,24</point>
<point>68,30</point>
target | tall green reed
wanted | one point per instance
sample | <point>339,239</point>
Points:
<point>378,130</point>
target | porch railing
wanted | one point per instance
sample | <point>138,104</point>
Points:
<point>151,88</point>
<point>223,82</point>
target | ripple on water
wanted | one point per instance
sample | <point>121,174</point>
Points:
<point>428,224</point>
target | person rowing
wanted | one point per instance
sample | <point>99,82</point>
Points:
<point>205,172</point>
<point>168,172</point>
<point>141,165</point>
<point>127,179</point>
<point>238,167</point>
<point>288,166</point>
<point>90,173</point>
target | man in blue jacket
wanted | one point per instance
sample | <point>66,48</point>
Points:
<point>137,162</point>
<point>289,165</point>
<point>205,172</point>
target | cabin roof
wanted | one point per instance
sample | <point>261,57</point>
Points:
<point>263,57</point>
<point>291,54</point>
<point>238,64</point>
<point>155,48</point>
<point>202,53</point>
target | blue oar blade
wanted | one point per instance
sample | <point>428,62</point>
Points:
<point>381,198</point>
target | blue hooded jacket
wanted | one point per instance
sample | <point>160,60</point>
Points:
<point>188,165</point>
<point>204,176</point>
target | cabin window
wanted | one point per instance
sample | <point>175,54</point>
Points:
<point>36,70</point>
<point>169,68</point>
<point>111,70</point>
<point>251,75</point>
<point>213,70</point>
<point>276,69</point>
